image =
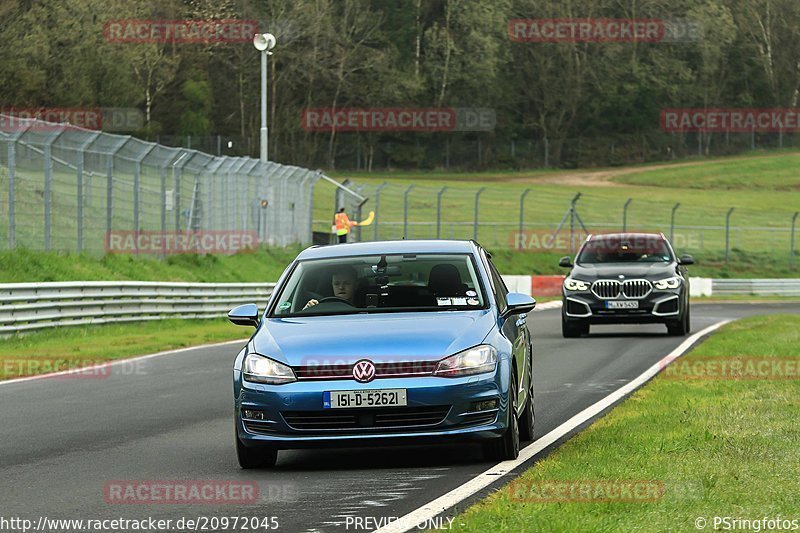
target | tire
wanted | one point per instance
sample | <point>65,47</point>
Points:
<point>526,421</point>
<point>682,326</point>
<point>573,328</point>
<point>260,457</point>
<point>506,448</point>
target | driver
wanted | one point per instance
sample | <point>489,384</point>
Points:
<point>343,283</point>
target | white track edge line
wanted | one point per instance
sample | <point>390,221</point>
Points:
<point>127,360</point>
<point>439,505</point>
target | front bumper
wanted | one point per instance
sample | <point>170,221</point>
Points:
<point>438,409</point>
<point>657,307</point>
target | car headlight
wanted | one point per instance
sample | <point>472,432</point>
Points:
<point>476,360</point>
<point>669,283</point>
<point>575,285</point>
<point>260,369</point>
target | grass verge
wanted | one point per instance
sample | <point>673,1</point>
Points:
<point>717,448</point>
<point>81,346</point>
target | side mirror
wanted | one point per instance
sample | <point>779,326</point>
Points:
<point>686,259</point>
<point>565,262</point>
<point>518,303</point>
<point>244,315</point>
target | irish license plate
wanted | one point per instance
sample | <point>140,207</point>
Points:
<point>363,398</point>
<point>622,304</point>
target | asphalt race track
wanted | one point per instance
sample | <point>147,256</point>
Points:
<point>170,418</point>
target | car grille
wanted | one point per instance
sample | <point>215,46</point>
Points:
<point>382,370</point>
<point>633,289</point>
<point>636,288</point>
<point>606,288</point>
<point>395,417</point>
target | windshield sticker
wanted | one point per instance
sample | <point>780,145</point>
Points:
<point>443,301</point>
<point>472,293</point>
<point>285,305</point>
<point>472,301</point>
<point>459,301</point>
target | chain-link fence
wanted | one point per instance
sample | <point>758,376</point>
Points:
<point>68,188</point>
<point>540,218</point>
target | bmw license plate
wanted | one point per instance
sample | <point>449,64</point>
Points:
<point>622,304</point>
<point>364,398</point>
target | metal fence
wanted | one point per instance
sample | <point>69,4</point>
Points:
<point>67,188</point>
<point>542,218</point>
<point>30,306</point>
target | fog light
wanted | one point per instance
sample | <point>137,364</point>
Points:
<point>484,405</point>
<point>253,415</point>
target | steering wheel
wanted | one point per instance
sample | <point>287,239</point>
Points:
<point>334,299</point>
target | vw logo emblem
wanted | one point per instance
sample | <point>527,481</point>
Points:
<point>364,371</point>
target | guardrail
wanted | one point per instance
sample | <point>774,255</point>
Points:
<point>757,287</point>
<point>30,306</point>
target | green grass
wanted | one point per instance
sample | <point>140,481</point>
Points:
<point>80,346</point>
<point>266,265</point>
<point>773,172</point>
<point>263,265</point>
<point>761,188</point>
<point>719,447</point>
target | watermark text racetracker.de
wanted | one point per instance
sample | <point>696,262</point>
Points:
<point>69,368</point>
<point>733,368</point>
<point>603,30</point>
<point>430,119</point>
<point>733,120</point>
<point>586,490</point>
<point>179,31</point>
<point>180,242</point>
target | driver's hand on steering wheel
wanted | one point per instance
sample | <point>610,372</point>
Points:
<point>311,303</point>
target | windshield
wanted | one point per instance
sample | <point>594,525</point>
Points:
<point>380,283</point>
<point>644,249</point>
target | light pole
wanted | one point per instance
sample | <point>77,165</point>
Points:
<point>264,42</point>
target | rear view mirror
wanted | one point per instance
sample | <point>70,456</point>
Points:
<point>565,262</point>
<point>244,315</point>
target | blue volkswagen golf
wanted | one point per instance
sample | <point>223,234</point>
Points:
<point>390,342</point>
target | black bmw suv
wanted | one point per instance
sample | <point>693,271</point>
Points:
<point>626,278</point>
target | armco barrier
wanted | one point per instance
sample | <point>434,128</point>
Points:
<point>30,306</point>
<point>756,287</point>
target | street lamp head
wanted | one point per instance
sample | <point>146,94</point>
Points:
<point>264,41</point>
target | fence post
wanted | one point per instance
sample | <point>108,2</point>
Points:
<point>572,222</point>
<point>12,168</point>
<point>728,234</point>
<point>163,199</point>
<point>405,211</point>
<point>791,247</point>
<point>79,176</point>
<point>48,194</point>
<point>109,194</point>
<point>625,215</point>
<point>546,153</point>
<point>136,181</point>
<point>521,216</point>
<point>475,226</point>
<point>672,222</point>
<point>377,207</point>
<point>439,211</point>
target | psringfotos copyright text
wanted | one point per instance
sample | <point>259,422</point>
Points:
<point>735,523</point>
